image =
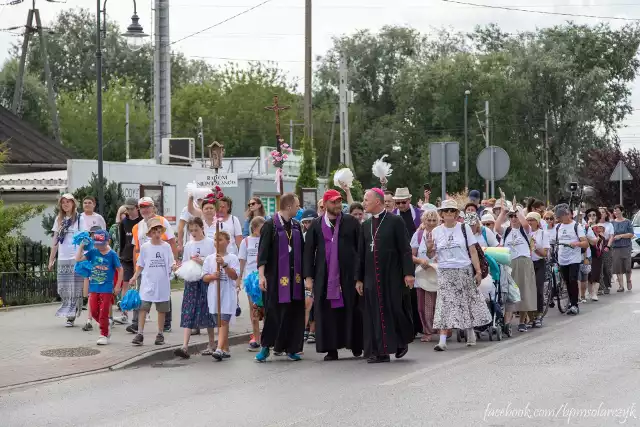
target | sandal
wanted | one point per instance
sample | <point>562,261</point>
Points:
<point>620,289</point>
<point>207,352</point>
<point>425,338</point>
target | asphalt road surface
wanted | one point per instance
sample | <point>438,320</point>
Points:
<point>582,370</point>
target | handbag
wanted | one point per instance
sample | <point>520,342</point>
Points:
<point>484,265</point>
<point>427,279</point>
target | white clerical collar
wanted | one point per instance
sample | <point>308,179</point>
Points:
<point>380,213</point>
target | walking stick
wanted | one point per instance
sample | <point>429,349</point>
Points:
<point>218,286</point>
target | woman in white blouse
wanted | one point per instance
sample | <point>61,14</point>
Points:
<point>459,303</point>
<point>539,251</point>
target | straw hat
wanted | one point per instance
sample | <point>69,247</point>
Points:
<point>449,204</point>
<point>155,222</point>
<point>402,194</point>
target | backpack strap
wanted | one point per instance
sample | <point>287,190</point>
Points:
<point>466,242</point>
<point>483,230</point>
<point>420,237</point>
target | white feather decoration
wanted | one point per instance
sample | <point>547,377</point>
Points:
<point>343,176</point>
<point>197,192</point>
<point>190,271</point>
<point>381,169</point>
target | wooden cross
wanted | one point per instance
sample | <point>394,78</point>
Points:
<point>277,108</point>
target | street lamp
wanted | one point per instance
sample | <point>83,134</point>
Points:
<point>136,35</point>
<point>466,141</point>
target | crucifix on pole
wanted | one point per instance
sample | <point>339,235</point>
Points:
<point>277,108</point>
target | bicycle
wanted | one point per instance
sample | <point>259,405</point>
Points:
<point>555,287</point>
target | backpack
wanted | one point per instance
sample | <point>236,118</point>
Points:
<point>484,265</point>
<point>508,230</point>
<point>575,229</point>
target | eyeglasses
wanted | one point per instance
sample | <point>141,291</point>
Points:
<point>548,218</point>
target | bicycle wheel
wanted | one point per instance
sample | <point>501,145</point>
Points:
<point>562,296</point>
<point>547,297</point>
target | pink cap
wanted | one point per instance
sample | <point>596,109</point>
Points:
<point>379,191</point>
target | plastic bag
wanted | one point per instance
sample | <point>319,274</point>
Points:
<point>83,269</point>
<point>190,271</point>
<point>252,287</point>
<point>83,237</point>
<point>130,300</point>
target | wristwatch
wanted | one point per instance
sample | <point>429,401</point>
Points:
<point>225,265</point>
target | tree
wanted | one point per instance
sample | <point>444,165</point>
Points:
<point>357,191</point>
<point>308,177</point>
<point>113,198</point>
<point>12,219</point>
<point>77,110</point>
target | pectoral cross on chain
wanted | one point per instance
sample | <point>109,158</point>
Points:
<point>373,243</point>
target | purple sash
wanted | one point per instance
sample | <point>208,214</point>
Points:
<point>284,270</point>
<point>416,214</point>
<point>334,292</point>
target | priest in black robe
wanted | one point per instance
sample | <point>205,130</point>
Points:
<point>385,276</point>
<point>330,248</point>
<point>280,270</point>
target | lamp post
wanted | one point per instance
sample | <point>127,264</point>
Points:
<point>135,36</point>
<point>466,141</point>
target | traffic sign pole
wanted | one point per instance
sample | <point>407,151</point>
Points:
<point>443,160</point>
<point>620,186</point>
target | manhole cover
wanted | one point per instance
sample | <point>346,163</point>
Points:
<point>70,352</point>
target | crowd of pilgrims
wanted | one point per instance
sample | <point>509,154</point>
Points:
<point>368,277</point>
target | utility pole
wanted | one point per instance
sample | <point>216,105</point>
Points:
<point>486,139</point>
<point>201,135</point>
<point>308,133</point>
<point>162,76</point>
<point>546,161</point>
<point>336,119</point>
<point>345,151</point>
<point>126,130</point>
<point>466,141</point>
<point>292,125</point>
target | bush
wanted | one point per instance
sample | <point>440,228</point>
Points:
<point>308,177</point>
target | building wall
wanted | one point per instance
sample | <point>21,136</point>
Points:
<point>33,228</point>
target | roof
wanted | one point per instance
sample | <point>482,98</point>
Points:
<point>28,145</point>
<point>35,181</point>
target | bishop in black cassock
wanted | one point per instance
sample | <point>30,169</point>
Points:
<point>385,275</point>
<point>330,251</point>
<point>280,269</point>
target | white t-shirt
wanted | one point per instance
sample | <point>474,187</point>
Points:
<point>567,235</point>
<point>203,248</point>
<point>228,294</point>
<point>87,222</point>
<point>156,261</point>
<point>451,250</point>
<point>541,237</point>
<point>490,242</point>
<point>517,243</point>
<point>608,231</point>
<point>210,230</point>
<point>143,229</point>
<point>185,215</point>
<point>66,250</point>
<point>590,236</point>
<point>233,227</point>
<point>249,253</point>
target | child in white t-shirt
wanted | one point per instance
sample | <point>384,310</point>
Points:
<point>154,264</point>
<point>248,256</point>
<point>222,270</point>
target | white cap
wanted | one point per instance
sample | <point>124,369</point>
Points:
<point>487,218</point>
<point>146,201</point>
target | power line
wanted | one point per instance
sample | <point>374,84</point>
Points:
<point>392,6</point>
<point>515,9</point>
<point>222,22</point>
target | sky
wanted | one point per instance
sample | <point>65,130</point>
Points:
<point>275,30</point>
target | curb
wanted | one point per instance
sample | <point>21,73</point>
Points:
<point>22,307</point>
<point>165,354</point>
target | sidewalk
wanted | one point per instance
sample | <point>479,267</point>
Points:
<point>25,333</point>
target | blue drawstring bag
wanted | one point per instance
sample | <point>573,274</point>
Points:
<point>130,301</point>
<point>83,237</point>
<point>83,269</point>
<point>252,287</point>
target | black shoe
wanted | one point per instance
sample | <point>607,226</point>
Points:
<point>159,339</point>
<point>138,339</point>
<point>379,359</point>
<point>181,352</point>
<point>132,329</point>
<point>356,353</point>
<point>401,352</point>
<point>332,355</point>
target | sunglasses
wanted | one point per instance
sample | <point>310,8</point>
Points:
<point>252,204</point>
<point>403,202</point>
<point>449,210</point>
<point>548,218</point>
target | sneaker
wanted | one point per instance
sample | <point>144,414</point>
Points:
<point>132,329</point>
<point>306,335</point>
<point>537,323</point>
<point>295,357</point>
<point>167,329</point>
<point>218,355</point>
<point>595,298</point>
<point>69,324</point>
<point>253,346</point>
<point>573,310</point>
<point>583,300</point>
<point>87,327</point>
<point>121,320</point>
<point>159,339</point>
<point>312,338</point>
<point>138,339</point>
<point>522,327</point>
<point>263,355</point>
<point>278,353</point>
<point>439,347</point>
<point>102,340</point>
<point>111,322</point>
<point>607,291</point>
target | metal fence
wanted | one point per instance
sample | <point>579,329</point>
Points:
<point>29,282</point>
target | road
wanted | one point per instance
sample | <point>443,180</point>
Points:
<point>542,377</point>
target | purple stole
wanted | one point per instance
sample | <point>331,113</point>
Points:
<point>334,291</point>
<point>284,270</point>
<point>416,212</point>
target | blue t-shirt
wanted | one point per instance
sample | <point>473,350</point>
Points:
<point>103,271</point>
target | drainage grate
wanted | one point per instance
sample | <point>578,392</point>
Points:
<point>70,352</point>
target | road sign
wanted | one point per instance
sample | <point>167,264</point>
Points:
<point>224,180</point>
<point>451,160</point>
<point>444,157</point>
<point>493,164</point>
<point>621,173</point>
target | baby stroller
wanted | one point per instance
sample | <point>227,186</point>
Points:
<point>494,303</point>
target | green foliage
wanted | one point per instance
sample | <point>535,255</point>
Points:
<point>77,111</point>
<point>357,192</point>
<point>113,198</point>
<point>308,177</point>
